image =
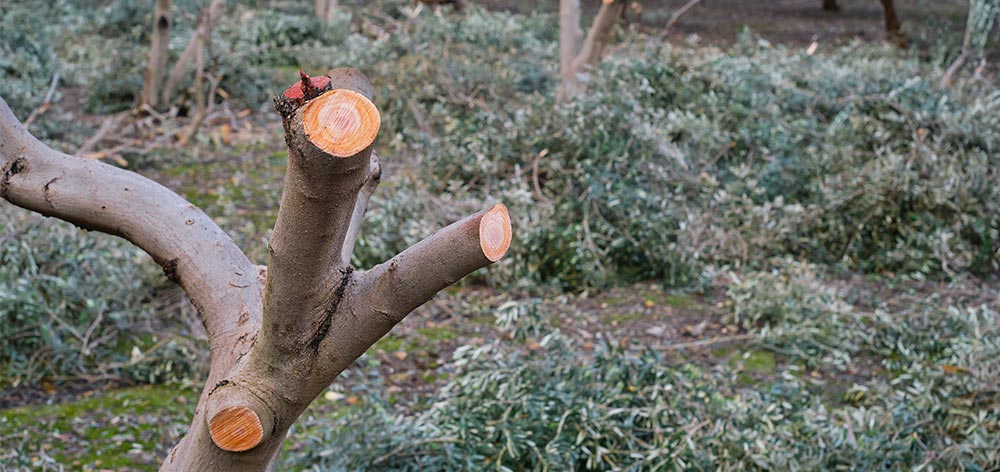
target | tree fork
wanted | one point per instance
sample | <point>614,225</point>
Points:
<point>279,335</point>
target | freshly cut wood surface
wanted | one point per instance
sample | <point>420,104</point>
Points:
<point>495,232</point>
<point>236,429</point>
<point>341,122</point>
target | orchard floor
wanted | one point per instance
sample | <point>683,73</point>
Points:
<point>780,21</point>
<point>132,428</point>
<point>104,426</point>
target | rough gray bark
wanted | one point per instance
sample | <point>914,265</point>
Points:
<point>157,54</point>
<point>279,335</point>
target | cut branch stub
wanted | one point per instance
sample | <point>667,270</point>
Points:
<point>236,429</point>
<point>495,232</point>
<point>306,87</point>
<point>341,122</point>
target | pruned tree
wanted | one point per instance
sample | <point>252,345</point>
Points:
<point>157,55</point>
<point>280,334</point>
<point>983,15</point>
<point>576,53</point>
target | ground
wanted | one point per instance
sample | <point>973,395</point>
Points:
<point>783,21</point>
<point>140,423</point>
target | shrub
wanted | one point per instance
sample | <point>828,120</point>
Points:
<point>73,303</point>
<point>27,60</point>
<point>676,158</point>
<point>559,407</point>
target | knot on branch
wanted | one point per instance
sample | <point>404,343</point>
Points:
<point>16,166</point>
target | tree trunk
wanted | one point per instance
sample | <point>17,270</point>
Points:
<point>278,335</point>
<point>983,14</point>
<point>157,54</point>
<point>830,5</point>
<point>325,10</point>
<point>959,61</point>
<point>575,58</point>
<point>202,35</point>
<point>570,38</point>
<point>892,26</point>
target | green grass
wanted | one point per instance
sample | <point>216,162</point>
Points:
<point>129,428</point>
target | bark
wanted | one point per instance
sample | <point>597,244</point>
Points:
<point>157,54</point>
<point>957,65</point>
<point>570,37</point>
<point>892,26</point>
<point>325,9</point>
<point>278,335</point>
<point>983,14</point>
<point>599,34</point>
<point>202,35</point>
<point>576,57</point>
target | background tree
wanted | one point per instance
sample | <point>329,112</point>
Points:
<point>207,20</point>
<point>157,55</point>
<point>576,54</point>
<point>280,334</point>
<point>983,15</point>
<point>325,9</point>
<point>893,28</point>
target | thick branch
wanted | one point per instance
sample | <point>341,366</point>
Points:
<point>193,250</point>
<point>265,391</point>
<point>329,139</point>
<point>394,288</point>
<point>361,207</point>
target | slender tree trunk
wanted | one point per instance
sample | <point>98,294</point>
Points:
<point>325,10</point>
<point>570,37</point>
<point>983,15</point>
<point>575,57</point>
<point>959,61</point>
<point>278,335</point>
<point>157,54</point>
<point>202,35</point>
<point>599,34</point>
<point>830,5</point>
<point>893,28</point>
